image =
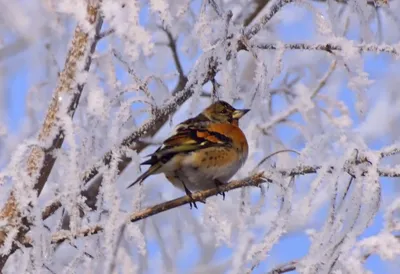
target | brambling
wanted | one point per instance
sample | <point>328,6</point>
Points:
<point>202,152</point>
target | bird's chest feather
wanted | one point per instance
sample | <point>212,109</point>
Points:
<point>204,167</point>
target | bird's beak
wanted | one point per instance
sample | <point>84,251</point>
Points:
<point>239,113</point>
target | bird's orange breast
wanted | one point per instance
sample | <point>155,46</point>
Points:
<point>233,132</point>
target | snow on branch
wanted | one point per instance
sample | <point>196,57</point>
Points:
<point>64,102</point>
<point>255,180</point>
<point>330,47</point>
<point>254,29</point>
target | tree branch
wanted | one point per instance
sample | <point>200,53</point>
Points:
<point>283,268</point>
<point>255,180</point>
<point>260,5</point>
<point>41,160</point>
<point>172,46</point>
<point>330,47</point>
<point>200,196</point>
<point>254,29</point>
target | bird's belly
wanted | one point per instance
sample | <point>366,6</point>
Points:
<point>198,175</point>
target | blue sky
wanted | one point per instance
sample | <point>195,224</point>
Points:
<point>289,248</point>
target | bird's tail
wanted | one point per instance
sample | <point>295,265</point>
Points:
<point>149,172</point>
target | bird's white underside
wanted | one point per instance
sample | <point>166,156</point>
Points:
<point>196,178</point>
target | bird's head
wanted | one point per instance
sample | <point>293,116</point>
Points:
<point>223,112</point>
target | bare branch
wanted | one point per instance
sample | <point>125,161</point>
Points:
<point>172,46</point>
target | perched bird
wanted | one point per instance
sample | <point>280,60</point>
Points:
<point>202,152</point>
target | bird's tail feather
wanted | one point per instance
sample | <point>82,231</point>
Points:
<point>149,172</point>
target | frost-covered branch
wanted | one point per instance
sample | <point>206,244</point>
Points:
<point>374,3</point>
<point>104,34</point>
<point>292,265</point>
<point>201,196</point>
<point>283,268</point>
<point>64,102</point>
<point>260,5</point>
<point>254,29</point>
<point>255,180</point>
<point>330,47</point>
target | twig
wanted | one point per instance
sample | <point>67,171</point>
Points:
<point>172,46</point>
<point>283,268</point>
<point>116,248</point>
<point>329,47</point>
<point>266,18</point>
<point>215,7</point>
<point>200,196</point>
<point>260,6</point>
<point>291,266</point>
<point>273,154</point>
<point>105,34</point>
<point>50,209</point>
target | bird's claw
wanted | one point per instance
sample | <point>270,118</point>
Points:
<point>218,184</point>
<point>192,202</point>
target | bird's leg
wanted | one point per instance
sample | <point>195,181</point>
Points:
<point>188,193</point>
<point>218,183</point>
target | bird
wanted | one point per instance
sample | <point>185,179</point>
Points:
<point>202,152</point>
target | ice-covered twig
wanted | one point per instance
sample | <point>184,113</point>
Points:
<point>330,47</point>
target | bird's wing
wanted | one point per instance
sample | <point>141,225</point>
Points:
<point>191,135</point>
